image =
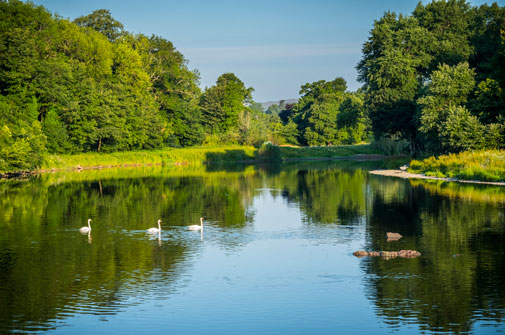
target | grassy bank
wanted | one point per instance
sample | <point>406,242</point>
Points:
<point>193,155</point>
<point>200,155</point>
<point>478,165</point>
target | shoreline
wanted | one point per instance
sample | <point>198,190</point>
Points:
<point>408,175</point>
<point>77,168</point>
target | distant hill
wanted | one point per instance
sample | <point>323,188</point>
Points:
<point>270,103</point>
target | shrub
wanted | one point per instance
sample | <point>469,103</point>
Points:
<point>269,152</point>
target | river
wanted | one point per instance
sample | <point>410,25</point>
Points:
<point>275,255</point>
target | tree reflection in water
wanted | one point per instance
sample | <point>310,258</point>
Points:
<point>48,271</point>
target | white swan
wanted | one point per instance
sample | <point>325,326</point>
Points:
<point>197,227</point>
<point>85,229</point>
<point>155,230</point>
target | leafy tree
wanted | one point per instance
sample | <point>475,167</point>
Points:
<point>273,109</point>
<point>221,104</point>
<point>461,130</point>
<point>317,109</point>
<point>287,113</point>
<point>395,63</point>
<point>289,133</point>
<point>256,107</point>
<point>56,133</point>
<point>489,101</point>
<point>449,88</point>
<point>404,54</point>
<point>449,23</point>
<point>176,90</point>
<point>352,123</point>
<point>102,21</point>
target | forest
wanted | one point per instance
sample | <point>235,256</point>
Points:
<point>433,82</point>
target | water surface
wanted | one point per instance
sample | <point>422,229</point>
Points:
<point>275,255</point>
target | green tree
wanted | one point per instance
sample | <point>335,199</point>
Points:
<point>449,87</point>
<point>395,63</point>
<point>461,130</point>
<point>273,109</point>
<point>102,21</point>
<point>352,122</point>
<point>222,103</point>
<point>317,109</point>
<point>176,90</point>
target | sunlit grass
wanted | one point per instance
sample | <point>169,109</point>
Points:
<point>192,155</point>
<point>196,156</point>
<point>471,165</point>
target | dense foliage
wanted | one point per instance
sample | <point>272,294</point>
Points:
<point>433,81</point>
<point>326,114</point>
<point>89,85</point>
<point>436,78</point>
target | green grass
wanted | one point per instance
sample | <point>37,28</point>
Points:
<point>197,156</point>
<point>193,155</point>
<point>470,165</point>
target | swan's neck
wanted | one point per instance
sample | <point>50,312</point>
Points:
<point>159,226</point>
<point>89,225</point>
<point>201,222</point>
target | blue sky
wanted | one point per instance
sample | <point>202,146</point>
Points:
<point>273,46</point>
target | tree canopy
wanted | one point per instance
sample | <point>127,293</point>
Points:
<point>422,71</point>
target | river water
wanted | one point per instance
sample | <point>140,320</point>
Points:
<point>275,255</point>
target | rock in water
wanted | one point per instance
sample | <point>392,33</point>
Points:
<point>388,254</point>
<point>360,253</point>
<point>393,236</point>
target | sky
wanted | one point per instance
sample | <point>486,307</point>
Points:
<point>274,46</point>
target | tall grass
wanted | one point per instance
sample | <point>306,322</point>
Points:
<point>200,155</point>
<point>486,165</point>
<point>193,155</point>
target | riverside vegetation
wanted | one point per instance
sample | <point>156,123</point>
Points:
<point>433,83</point>
<point>201,155</point>
<point>90,86</point>
<point>479,165</point>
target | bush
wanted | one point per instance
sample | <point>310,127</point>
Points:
<point>269,152</point>
<point>392,145</point>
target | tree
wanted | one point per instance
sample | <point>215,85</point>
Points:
<point>448,89</point>
<point>317,109</point>
<point>461,131</point>
<point>352,123</point>
<point>273,109</point>
<point>449,23</point>
<point>395,63</point>
<point>404,54</point>
<point>102,21</point>
<point>222,103</point>
<point>175,89</point>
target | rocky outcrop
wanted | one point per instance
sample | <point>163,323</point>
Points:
<point>388,254</point>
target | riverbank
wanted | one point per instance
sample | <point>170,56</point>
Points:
<point>409,175</point>
<point>484,165</point>
<point>198,156</point>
